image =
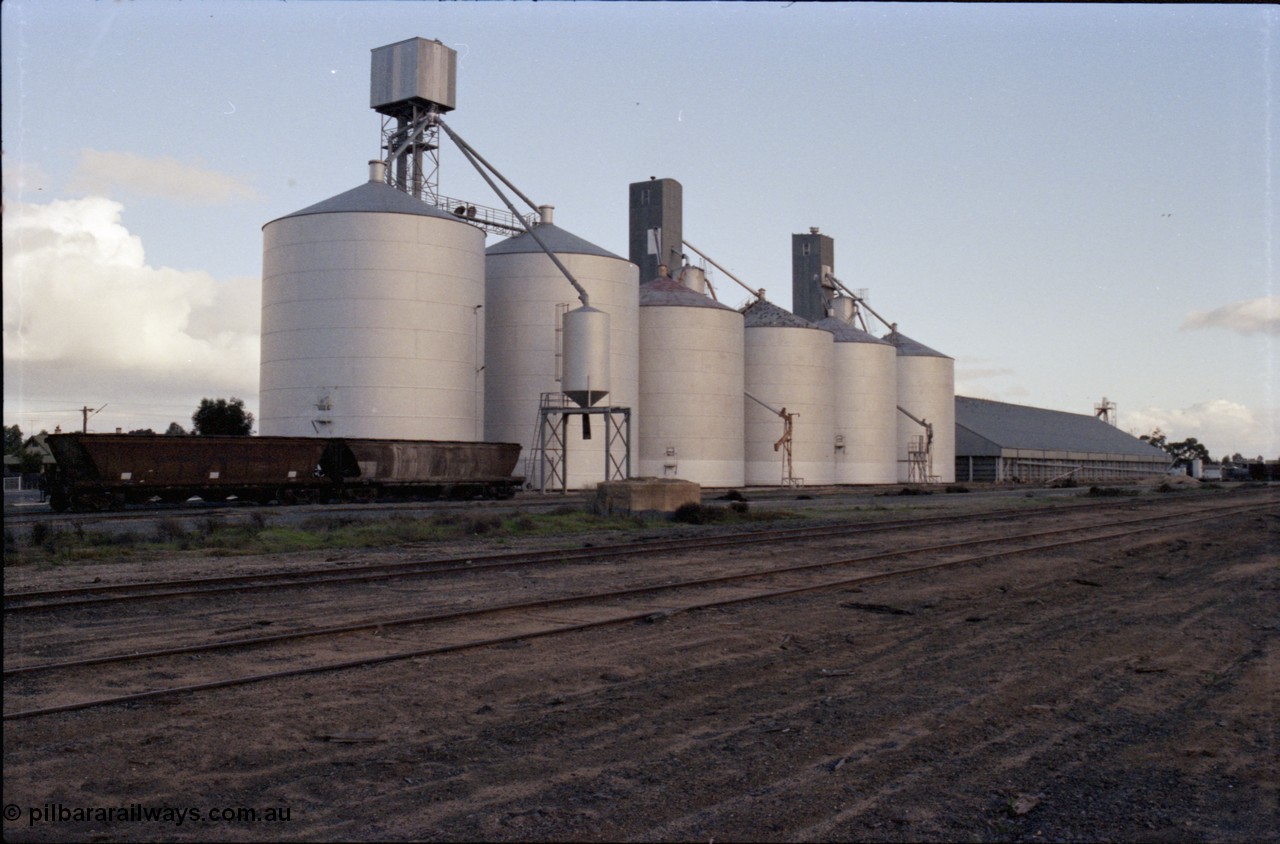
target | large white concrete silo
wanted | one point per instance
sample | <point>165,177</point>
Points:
<point>371,320</point>
<point>926,390</point>
<point>691,386</point>
<point>866,413</point>
<point>788,366</point>
<point>526,300</point>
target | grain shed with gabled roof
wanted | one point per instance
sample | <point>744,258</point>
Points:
<point>998,442</point>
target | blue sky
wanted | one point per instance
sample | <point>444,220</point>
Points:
<point>1071,201</point>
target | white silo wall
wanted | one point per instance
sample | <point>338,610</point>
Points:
<point>791,368</point>
<point>926,388</point>
<point>523,291</point>
<point>691,383</point>
<point>371,325</point>
<point>866,413</point>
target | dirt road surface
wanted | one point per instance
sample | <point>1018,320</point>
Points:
<point>1124,691</point>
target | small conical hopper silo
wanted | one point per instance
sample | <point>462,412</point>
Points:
<point>691,383</point>
<point>526,300</point>
<point>866,413</point>
<point>371,323</point>
<point>788,366</point>
<point>926,390</point>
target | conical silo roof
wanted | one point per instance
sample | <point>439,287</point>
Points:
<point>373,197</point>
<point>763,314</point>
<point>557,239</point>
<point>846,333</point>
<point>666,291</point>
<point>911,348</point>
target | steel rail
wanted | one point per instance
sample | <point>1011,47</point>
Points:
<point>99,595</point>
<point>629,592</point>
<point>1209,514</point>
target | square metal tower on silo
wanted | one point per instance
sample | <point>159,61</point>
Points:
<point>813,257</point>
<point>657,226</point>
<point>413,72</point>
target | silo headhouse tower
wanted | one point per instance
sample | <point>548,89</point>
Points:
<point>371,300</point>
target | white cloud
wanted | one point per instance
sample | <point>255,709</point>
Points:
<point>1251,316</point>
<point>82,309</point>
<point>979,374</point>
<point>104,173</point>
<point>973,383</point>
<point>1224,427</point>
<point>972,373</point>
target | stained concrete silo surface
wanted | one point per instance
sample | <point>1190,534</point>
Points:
<point>370,320</point>
<point>691,383</point>
<point>788,365</point>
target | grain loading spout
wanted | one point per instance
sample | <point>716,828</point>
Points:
<point>784,442</point>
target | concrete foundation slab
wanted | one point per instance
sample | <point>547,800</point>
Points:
<point>645,495</point>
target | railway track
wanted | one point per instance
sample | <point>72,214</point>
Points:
<point>47,600</point>
<point>230,512</point>
<point>49,688</point>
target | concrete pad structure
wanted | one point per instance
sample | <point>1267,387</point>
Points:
<point>645,495</point>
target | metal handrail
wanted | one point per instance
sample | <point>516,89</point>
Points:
<point>493,220</point>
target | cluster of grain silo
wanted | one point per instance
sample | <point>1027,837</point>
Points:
<point>385,316</point>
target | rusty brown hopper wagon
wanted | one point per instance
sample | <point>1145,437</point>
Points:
<point>104,471</point>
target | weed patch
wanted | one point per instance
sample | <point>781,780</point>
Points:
<point>170,530</point>
<point>47,545</point>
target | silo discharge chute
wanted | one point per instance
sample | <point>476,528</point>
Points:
<point>920,451</point>
<point>784,442</point>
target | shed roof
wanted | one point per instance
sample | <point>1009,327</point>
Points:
<point>984,427</point>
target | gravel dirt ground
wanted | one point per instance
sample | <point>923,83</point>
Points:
<point>1124,691</point>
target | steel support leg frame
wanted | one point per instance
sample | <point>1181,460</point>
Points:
<point>552,443</point>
